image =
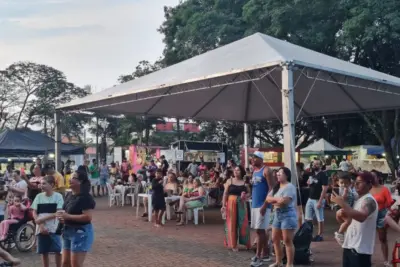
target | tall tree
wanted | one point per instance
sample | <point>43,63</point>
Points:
<point>8,103</point>
<point>40,89</point>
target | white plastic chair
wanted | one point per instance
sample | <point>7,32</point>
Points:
<point>133,195</point>
<point>196,211</point>
<point>113,196</point>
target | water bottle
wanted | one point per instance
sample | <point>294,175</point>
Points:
<point>223,213</point>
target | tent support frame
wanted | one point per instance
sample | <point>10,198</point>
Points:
<point>240,78</point>
<point>288,121</point>
<point>57,154</point>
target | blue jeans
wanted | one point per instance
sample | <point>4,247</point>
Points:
<point>284,220</point>
<point>312,210</point>
<point>78,238</point>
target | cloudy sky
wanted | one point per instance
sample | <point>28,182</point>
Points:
<point>91,41</point>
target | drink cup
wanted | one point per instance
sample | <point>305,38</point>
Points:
<point>223,214</point>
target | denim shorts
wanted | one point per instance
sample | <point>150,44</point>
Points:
<point>312,210</point>
<point>103,180</point>
<point>78,238</point>
<point>50,243</point>
<point>284,220</point>
<point>380,221</point>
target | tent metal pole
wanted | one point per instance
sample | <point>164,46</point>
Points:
<point>57,150</point>
<point>97,140</point>
<point>246,145</point>
<point>288,119</point>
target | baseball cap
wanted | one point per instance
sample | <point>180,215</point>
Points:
<point>258,154</point>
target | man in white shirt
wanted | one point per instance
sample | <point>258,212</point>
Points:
<point>344,165</point>
<point>192,168</point>
<point>358,245</point>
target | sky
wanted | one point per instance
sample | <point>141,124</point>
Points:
<point>92,41</point>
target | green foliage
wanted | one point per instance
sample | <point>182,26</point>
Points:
<point>143,68</point>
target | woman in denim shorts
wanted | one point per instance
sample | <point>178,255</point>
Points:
<point>78,235</point>
<point>283,197</point>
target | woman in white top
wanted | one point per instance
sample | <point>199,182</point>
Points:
<point>20,187</point>
<point>358,245</point>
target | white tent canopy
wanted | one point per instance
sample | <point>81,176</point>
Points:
<point>322,147</point>
<point>241,82</point>
<point>256,78</point>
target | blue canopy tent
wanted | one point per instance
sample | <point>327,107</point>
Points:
<point>32,143</point>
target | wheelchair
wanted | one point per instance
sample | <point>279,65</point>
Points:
<point>20,235</point>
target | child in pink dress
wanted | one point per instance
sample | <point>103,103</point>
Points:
<point>16,212</point>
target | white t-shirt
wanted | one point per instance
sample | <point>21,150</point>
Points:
<point>344,166</point>
<point>360,236</point>
<point>24,186</point>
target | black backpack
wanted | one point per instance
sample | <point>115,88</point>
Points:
<point>302,242</point>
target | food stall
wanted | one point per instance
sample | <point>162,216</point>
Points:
<point>208,152</point>
<point>273,156</point>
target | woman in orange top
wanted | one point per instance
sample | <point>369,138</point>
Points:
<point>384,199</point>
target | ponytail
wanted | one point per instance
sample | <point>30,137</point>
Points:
<point>275,189</point>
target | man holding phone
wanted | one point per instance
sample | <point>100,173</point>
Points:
<point>318,183</point>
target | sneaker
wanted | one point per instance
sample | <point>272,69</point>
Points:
<point>318,238</point>
<point>256,262</point>
<point>263,259</point>
<point>339,238</point>
<point>266,259</point>
<point>387,264</point>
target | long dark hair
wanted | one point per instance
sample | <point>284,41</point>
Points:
<point>242,171</point>
<point>288,174</point>
<point>84,180</point>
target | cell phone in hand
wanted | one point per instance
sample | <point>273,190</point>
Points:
<point>336,190</point>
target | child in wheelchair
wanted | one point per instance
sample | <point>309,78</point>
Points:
<point>16,213</point>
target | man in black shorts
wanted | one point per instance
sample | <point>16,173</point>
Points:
<point>302,191</point>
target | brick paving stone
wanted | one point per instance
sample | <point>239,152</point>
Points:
<point>122,240</point>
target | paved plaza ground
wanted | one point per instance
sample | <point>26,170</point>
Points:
<point>122,240</point>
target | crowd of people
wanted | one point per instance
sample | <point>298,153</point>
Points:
<point>63,221</point>
<point>362,203</point>
<point>260,198</point>
<point>266,200</point>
